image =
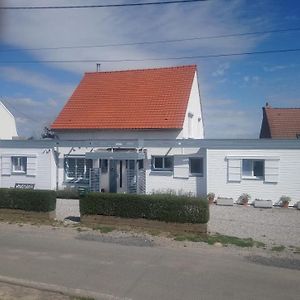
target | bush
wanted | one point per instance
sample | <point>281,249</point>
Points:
<point>68,194</point>
<point>28,200</point>
<point>162,207</point>
<point>244,198</point>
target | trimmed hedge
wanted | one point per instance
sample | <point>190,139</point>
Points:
<point>28,200</point>
<point>161,207</point>
<point>68,194</point>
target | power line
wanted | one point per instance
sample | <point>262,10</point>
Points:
<point>101,5</point>
<point>152,59</point>
<point>157,41</point>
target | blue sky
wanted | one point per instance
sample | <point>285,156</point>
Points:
<point>233,89</point>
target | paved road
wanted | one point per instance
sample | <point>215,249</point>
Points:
<point>116,271</point>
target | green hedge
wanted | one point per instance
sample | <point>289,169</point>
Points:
<point>68,194</point>
<point>29,200</point>
<point>168,208</point>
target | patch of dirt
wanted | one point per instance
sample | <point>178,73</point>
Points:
<point>14,292</point>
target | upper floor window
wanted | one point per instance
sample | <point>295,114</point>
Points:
<point>19,164</point>
<point>196,166</point>
<point>162,163</point>
<point>252,168</point>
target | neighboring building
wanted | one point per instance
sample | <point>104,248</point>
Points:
<point>141,131</point>
<point>8,128</point>
<point>280,123</point>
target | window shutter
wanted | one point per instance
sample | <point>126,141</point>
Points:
<point>31,166</point>
<point>234,169</point>
<point>271,170</point>
<point>181,167</point>
<point>6,165</point>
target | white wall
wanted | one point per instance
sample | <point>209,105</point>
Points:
<point>288,181</point>
<point>43,178</point>
<point>7,124</point>
<point>117,134</point>
<point>194,108</point>
<point>169,180</point>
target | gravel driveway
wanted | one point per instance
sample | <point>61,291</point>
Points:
<point>272,226</point>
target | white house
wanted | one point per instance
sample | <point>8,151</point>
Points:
<point>8,128</point>
<point>141,131</point>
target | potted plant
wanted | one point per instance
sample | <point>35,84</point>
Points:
<point>284,201</point>
<point>210,198</point>
<point>244,199</point>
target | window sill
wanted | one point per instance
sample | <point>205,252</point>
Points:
<point>161,172</point>
<point>18,173</point>
<point>195,175</point>
<point>252,178</point>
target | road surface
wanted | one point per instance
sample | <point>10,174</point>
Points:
<point>112,270</point>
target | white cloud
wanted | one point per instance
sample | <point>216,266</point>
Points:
<point>52,28</point>
<point>34,79</point>
<point>222,68</point>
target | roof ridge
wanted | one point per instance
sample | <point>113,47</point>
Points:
<point>144,69</point>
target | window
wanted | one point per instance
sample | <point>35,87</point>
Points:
<point>253,168</point>
<point>196,166</point>
<point>77,168</point>
<point>162,163</point>
<point>19,164</point>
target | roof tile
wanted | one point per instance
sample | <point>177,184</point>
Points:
<point>132,99</point>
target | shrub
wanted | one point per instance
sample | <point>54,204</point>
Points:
<point>162,207</point>
<point>68,194</point>
<point>28,200</point>
<point>284,200</point>
<point>210,197</point>
<point>244,198</point>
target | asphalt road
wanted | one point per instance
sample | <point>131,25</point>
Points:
<point>113,271</point>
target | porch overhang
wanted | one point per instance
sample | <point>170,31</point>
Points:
<point>115,155</point>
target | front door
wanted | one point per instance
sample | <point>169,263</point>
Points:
<point>113,176</point>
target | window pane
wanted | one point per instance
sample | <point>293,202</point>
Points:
<point>247,167</point>
<point>89,165</point>
<point>103,165</point>
<point>168,162</point>
<point>196,165</point>
<point>80,168</point>
<point>258,168</point>
<point>19,164</point>
<point>70,167</point>
<point>158,162</point>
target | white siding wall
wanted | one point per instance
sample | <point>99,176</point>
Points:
<point>117,134</point>
<point>288,179</point>
<point>195,110</point>
<point>39,165</point>
<point>167,180</point>
<point>7,124</point>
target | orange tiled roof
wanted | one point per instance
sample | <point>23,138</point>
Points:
<point>132,99</point>
<point>280,123</point>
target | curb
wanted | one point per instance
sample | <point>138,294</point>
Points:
<point>59,289</point>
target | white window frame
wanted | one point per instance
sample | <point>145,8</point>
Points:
<point>252,176</point>
<point>154,168</point>
<point>190,166</point>
<point>20,162</point>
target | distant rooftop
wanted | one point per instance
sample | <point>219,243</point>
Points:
<point>280,123</point>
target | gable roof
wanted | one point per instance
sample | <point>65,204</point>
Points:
<point>132,99</point>
<point>280,123</point>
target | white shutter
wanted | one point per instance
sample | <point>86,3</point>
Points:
<point>181,167</point>
<point>271,170</point>
<point>31,166</point>
<point>6,165</point>
<point>234,169</point>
